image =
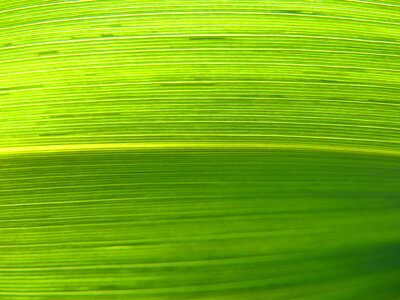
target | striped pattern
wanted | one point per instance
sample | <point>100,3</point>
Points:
<point>318,72</point>
<point>176,149</point>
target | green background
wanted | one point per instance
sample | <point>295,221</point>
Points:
<point>199,149</point>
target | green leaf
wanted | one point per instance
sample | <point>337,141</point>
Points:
<point>182,149</point>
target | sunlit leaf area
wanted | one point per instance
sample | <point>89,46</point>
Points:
<point>199,150</point>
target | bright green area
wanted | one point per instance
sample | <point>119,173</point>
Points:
<point>106,71</point>
<point>247,223</point>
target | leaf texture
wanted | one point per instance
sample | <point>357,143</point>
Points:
<point>188,149</point>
